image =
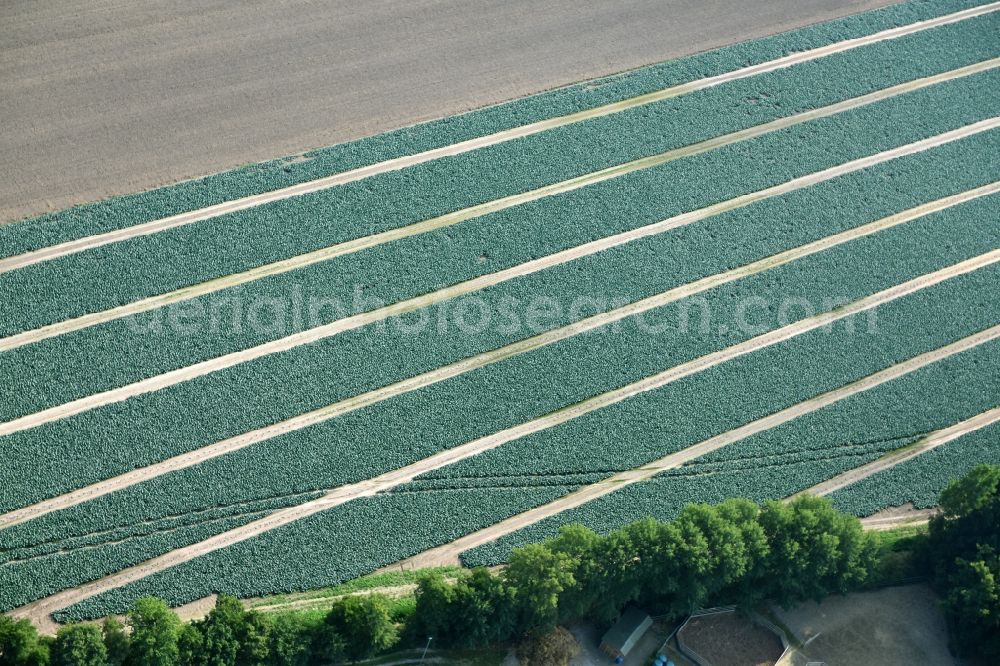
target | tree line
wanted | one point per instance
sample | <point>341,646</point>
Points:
<point>962,558</point>
<point>733,553</point>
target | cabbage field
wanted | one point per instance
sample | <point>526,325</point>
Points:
<point>741,273</point>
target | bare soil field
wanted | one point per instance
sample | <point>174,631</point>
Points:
<point>895,626</point>
<point>728,639</point>
<point>89,90</point>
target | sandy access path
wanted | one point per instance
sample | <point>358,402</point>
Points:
<point>443,373</point>
<point>40,610</point>
<point>651,13</point>
<point>931,441</point>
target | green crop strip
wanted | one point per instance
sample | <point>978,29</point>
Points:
<point>376,531</point>
<point>123,272</point>
<point>720,174</point>
<point>23,582</point>
<point>849,271</point>
<point>18,544</point>
<point>399,536</point>
<point>796,455</point>
<point>921,479</point>
<point>154,204</point>
<point>364,443</point>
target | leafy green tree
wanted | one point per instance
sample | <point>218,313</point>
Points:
<point>554,648</point>
<point>744,588</point>
<point>329,645</point>
<point>973,606</point>
<point>155,630</point>
<point>538,577</point>
<point>292,640</point>
<point>815,550</point>
<point>582,546</point>
<point>435,612</point>
<point>976,491</point>
<point>484,610</point>
<point>964,552</point>
<point>190,645</point>
<point>229,635</point>
<point>20,644</point>
<point>640,562</point>
<point>254,638</point>
<point>79,645</point>
<point>715,549</point>
<point>115,641</point>
<point>969,518</point>
<point>364,624</point>
<point>220,633</point>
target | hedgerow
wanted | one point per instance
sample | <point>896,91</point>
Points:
<point>63,368</point>
<point>739,391</point>
<point>125,211</point>
<point>921,479</point>
<point>798,454</point>
<point>357,445</point>
<point>330,547</point>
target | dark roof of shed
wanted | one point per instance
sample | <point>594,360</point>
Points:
<point>630,620</point>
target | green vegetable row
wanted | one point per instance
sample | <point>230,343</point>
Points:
<point>24,582</point>
<point>920,480</point>
<point>62,455</point>
<point>125,211</point>
<point>364,443</point>
<point>329,548</point>
<point>799,454</point>
<point>123,272</point>
<point>406,526</point>
<point>18,543</point>
<point>68,367</point>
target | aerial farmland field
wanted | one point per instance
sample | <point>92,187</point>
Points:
<point>756,271</point>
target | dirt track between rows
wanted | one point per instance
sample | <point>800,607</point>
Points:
<point>40,610</point>
<point>441,374</point>
<point>925,444</point>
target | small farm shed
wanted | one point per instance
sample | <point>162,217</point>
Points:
<point>625,633</point>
